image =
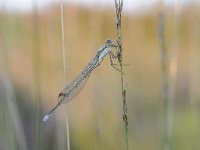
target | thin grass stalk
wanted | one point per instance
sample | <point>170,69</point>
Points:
<point>36,76</point>
<point>165,73</point>
<point>64,67</point>
<point>118,7</point>
<point>163,52</point>
<point>173,75</point>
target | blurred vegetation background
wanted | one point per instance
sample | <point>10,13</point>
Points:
<point>31,77</point>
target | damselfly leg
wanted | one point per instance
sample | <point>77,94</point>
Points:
<point>112,56</point>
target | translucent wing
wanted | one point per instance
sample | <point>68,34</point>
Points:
<point>73,89</point>
<point>77,85</point>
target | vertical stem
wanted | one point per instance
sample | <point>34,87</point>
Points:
<point>119,6</point>
<point>169,80</point>
<point>64,66</point>
<point>63,40</point>
<point>173,71</point>
<point>163,51</point>
<point>165,76</point>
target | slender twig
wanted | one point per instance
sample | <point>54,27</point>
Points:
<point>119,6</point>
<point>64,67</point>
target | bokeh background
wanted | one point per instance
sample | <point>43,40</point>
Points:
<point>31,75</point>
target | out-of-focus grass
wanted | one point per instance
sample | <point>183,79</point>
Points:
<point>143,77</point>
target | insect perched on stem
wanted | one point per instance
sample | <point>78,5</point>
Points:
<point>71,90</point>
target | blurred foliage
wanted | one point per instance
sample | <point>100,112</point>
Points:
<point>96,113</point>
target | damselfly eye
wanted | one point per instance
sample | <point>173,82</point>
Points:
<point>109,42</point>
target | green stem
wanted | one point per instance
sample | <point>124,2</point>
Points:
<point>119,6</point>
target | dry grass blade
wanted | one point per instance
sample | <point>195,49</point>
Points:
<point>64,72</point>
<point>119,7</point>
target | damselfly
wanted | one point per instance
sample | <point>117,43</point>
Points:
<point>71,90</point>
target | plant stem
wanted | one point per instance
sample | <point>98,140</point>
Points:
<point>119,6</point>
<point>64,67</point>
<point>169,71</point>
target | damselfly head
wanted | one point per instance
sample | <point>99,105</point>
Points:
<point>103,51</point>
<point>108,42</point>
